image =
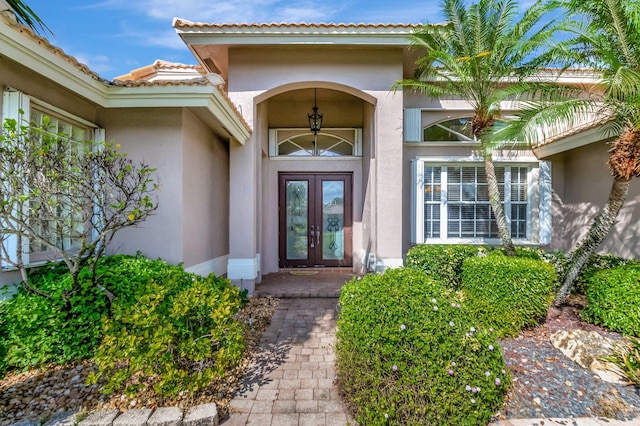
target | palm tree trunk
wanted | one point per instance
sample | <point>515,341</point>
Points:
<point>496,204</point>
<point>599,229</point>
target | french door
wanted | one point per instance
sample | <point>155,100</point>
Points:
<point>315,219</point>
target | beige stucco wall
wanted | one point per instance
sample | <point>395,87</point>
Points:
<point>205,189</point>
<point>155,137</point>
<point>581,185</point>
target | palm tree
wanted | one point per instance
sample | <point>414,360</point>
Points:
<point>605,37</point>
<point>26,16</point>
<point>471,57</point>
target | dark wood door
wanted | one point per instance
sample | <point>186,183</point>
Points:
<point>315,219</point>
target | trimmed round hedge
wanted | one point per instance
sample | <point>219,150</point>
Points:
<point>614,299</point>
<point>507,293</point>
<point>407,353</point>
<point>443,261</point>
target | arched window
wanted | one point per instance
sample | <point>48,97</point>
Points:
<point>328,143</point>
<point>453,130</point>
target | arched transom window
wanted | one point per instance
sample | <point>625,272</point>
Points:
<point>327,143</point>
<point>452,130</point>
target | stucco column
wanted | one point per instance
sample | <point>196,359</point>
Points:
<point>242,266</point>
<point>388,178</point>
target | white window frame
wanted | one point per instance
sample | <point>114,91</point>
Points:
<point>356,151</point>
<point>539,199</point>
<point>14,101</point>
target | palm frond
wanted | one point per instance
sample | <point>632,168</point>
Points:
<point>547,117</point>
<point>28,17</point>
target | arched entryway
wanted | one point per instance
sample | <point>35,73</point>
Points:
<point>314,185</point>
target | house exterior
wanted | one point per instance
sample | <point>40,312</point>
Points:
<point>248,187</point>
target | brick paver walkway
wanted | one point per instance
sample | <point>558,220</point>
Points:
<point>292,380</point>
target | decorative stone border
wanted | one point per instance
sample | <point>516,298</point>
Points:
<point>200,415</point>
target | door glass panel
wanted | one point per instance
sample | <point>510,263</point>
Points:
<point>332,219</point>
<point>297,208</point>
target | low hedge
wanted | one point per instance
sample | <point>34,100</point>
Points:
<point>59,329</point>
<point>613,297</point>
<point>597,263</point>
<point>179,336</point>
<point>408,354</point>
<point>66,327</point>
<point>507,293</point>
<point>443,261</point>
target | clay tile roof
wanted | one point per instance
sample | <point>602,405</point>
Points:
<point>144,83</point>
<point>42,41</point>
<point>183,23</point>
<point>202,81</point>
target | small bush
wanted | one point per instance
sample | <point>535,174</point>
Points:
<point>66,327</point>
<point>179,335</point>
<point>443,261</point>
<point>60,329</point>
<point>3,348</point>
<point>507,293</point>
<point>408,354</point>
<point>597,263</point>
<point>613,297</point>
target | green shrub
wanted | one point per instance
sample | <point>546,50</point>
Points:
<point>179,335</point>
<point>60,329</point>
<point>408,354</point>
<point>597,263</point>
<point>613,297</point>
<point>3,347</point>
<point>507,293</point>
<point>443,261</point>
<point>66,327</point>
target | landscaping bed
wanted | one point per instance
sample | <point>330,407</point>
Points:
<point>547,384</point>
<point>42,392</point>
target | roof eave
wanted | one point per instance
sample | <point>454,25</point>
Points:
<point>573,141</point>
<point>182,96</point>
<point>293,34</point>
<point>20,47</point>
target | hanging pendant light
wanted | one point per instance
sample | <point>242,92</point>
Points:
<point>315,118</point>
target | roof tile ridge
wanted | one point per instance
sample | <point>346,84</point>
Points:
<point>186,23</point>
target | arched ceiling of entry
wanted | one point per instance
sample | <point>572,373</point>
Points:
<point>290,105</point>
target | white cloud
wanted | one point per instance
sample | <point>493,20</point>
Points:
<point>97,63</point>
<point>164,38</point>
<point>245,11</point>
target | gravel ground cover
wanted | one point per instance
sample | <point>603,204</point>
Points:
<point>547,384</point>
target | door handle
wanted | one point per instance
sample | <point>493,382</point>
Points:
<point>318,235</point>
<point>311,236</point>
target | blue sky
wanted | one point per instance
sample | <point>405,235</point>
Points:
<point>113,37</point>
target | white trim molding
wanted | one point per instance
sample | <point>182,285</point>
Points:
<point>217,266</point>
<point>546,216</point>
<point>242,269</point>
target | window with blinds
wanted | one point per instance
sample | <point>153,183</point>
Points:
<point>456,201</point>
